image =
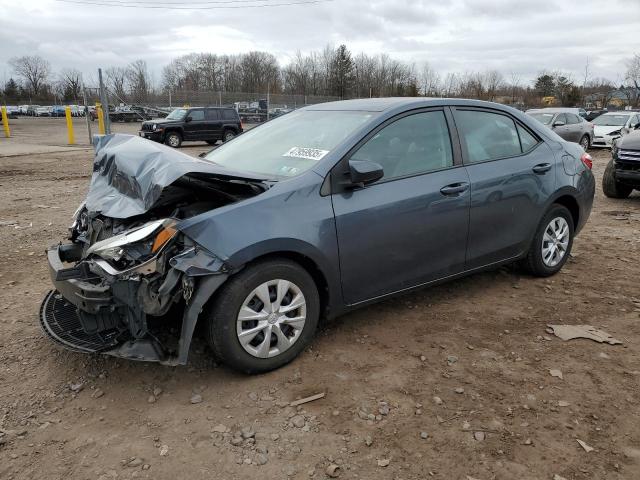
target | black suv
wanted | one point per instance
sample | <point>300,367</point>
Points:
<point>208,124</point>
<point>622,174</point>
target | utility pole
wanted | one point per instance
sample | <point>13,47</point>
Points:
<point>104,100</point>
<point>86,112</point>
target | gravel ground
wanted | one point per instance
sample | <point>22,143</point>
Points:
<point>451,382</point>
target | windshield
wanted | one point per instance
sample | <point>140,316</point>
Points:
<point>290,144</point>
<point>544,118</point>
<point>177,114</point>
<point>611,120</point>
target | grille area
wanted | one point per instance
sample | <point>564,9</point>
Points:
<point>59,320</point>
<point>629,155</point>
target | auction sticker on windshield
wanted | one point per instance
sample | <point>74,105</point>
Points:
<point>308,153</point>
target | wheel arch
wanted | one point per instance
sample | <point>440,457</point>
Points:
<point>571,204</point>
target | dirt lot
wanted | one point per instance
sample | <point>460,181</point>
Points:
<point>464,365</point>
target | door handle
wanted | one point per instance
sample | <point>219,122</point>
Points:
<point>542,168</point>
<point>454,188</point>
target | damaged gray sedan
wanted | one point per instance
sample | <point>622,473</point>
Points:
<point>307,216</point>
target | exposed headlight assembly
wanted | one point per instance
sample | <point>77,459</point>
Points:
<point>615,133</point>
<point>147,240</point>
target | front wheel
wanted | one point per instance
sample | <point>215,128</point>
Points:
<point>552,242</point>
<point>264,316</point>
<point>173,139</point>
<point>610,186</point>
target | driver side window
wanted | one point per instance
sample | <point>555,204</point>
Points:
<point>414,144</point>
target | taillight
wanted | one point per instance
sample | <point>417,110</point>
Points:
<point>587,160</point>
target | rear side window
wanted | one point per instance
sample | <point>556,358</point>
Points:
<point>212,114</point>
<point>196,115</point>
<point>411,145</point>
<point>229,115</point>
<point>571,118</point>
<point>487,136</point>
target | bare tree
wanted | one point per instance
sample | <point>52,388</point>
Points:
<point>514,85</point>
<point>139,81</point>
<point>117,81</point>
<point>35,71</point>
<point>429,81</point>
<point>71,84</point>
<point>493,81</point>
<point>632,76</point>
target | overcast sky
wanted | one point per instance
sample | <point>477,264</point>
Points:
<point>521,36</point>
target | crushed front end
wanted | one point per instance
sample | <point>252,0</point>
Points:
<point>127,268</point>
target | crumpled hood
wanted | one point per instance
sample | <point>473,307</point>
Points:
<point>601,130</point>
<point>130,173</point>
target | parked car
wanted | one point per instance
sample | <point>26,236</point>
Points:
<point>612,125</point>
<point>32,110</point>
<point>43,112</point>
<point>566,123</point>
<point>622,174</point>
<point>58,111</point>
<point>592,114</point>
<point>12,112</point>
<point>208,124</point>
<point>308,216</point>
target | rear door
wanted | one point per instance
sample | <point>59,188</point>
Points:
<point>562,130</point>
<point>214,123</point>
<point>512,174</point>
<point>410,227</point>
<point>575,127</point>
<point>195,128</point>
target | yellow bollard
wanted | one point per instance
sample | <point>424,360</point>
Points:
<point>100,119</point>
<point>5,122</point>
<point>67,113</point>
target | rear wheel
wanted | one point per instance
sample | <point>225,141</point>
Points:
<point>173,139</point>
<point>585,142</point>
<point>552,242</point>
<point>263,317</point>
<point>228,135</point>
<point>610,186</point>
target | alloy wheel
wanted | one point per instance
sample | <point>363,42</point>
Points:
<point>555,241</point>
<point>174,141</point>
<point>584,143</point>
<point>271,318</point>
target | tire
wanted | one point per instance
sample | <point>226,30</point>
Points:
<point>173,139</point>
<point>223,325</point>
<point>585,142</point>
<point>228,135</point>
<point>535,262</point>
<point>611,187</point>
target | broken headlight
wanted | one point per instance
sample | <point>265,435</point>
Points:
<point>137,244</point>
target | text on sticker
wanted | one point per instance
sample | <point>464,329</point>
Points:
<point>308,153</point>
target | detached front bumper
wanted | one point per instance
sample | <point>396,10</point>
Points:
<point>95,314</point>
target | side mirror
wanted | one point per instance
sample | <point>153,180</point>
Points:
<point>362,172</point>
<point>558,124</point>
<point>188,119</point>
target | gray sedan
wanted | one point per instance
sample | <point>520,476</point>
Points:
<point>566,123</point>
<point>303,218</point>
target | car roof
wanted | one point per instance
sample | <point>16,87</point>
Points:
<point>554,110</point>
<point>621,112</point>
<point>392,103</point>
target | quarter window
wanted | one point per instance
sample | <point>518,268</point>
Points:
<point>414,144</point>
<point>527,141</point>
<point>487,136</point>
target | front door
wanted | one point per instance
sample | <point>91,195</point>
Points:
<point>195,128</point>
<point>410,227</point>
<point>512,175</point>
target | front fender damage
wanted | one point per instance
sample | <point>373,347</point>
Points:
<point>113,312</point>
<point>195,275</point>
